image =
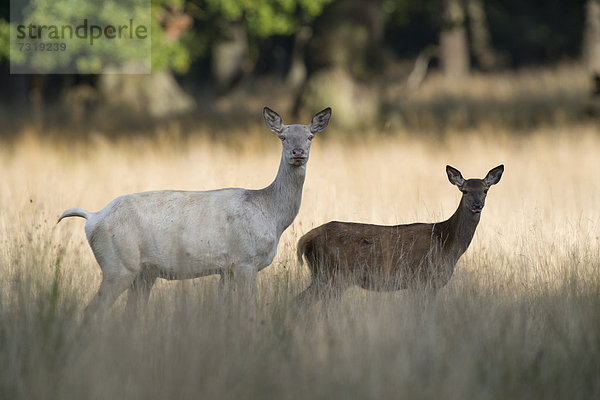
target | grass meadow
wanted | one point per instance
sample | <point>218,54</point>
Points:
<point>520,318</point>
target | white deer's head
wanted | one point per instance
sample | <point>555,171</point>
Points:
<point>296,139</point>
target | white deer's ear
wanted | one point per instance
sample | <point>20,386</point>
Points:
<point>273,120</point>
<point>454,176</point>
<point>494,175</point>
<point>320,120</point>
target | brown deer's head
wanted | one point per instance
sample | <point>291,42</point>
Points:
<point>474,190</point>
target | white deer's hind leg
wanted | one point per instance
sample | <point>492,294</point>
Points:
<point>110,288</point>
<point>119,260</point>
<point>139,291</point>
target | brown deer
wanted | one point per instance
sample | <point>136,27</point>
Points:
<point>385,258</point>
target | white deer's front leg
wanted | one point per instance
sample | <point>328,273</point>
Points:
<point>244,278</point>
<point>225,283</point>
<point>239,281</point>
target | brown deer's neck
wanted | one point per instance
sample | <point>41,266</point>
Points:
<point>457,232</point>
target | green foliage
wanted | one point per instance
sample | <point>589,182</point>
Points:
<point>397,10</point>
<point>522,32</point>
<point>268,17</point>
<point>42,23</point>
<point>261,19</point>
<point>82,57</point>
<point>4,39</point>
<point>166,53</point>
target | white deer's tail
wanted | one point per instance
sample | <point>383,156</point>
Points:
<point>75,212</point>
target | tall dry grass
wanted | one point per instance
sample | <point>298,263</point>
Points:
<point>519,319</point>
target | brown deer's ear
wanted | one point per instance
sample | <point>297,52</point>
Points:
<point>454,176</point>
<point>494,175</point>
<point>273,120</point>
<point>320,120</point>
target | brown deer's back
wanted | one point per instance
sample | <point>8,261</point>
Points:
<point>375,257</point>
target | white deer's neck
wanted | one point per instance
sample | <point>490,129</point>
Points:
<point>284,195</point>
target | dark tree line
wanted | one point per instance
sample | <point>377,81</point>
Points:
<point>211,46</point>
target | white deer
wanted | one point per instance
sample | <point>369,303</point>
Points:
<point>176,235</point>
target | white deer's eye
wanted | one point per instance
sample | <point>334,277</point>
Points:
<point>311,137</point>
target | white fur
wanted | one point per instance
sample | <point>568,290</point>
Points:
<point>139,237</point>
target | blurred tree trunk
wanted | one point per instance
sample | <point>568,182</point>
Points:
<point>127,96</point>
<point>138,97</point>
<point>347,34</point>
<point>36,98</point>
<point>229,59</point>
<point>591,42</point>
<point>591,55</point>
<point>480,35</point>
<point>297,72</point>
<point>454,48</point>
<point>342,58</point>
<point>20,91</point>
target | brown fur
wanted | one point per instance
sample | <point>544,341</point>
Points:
<point>377,257</point>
